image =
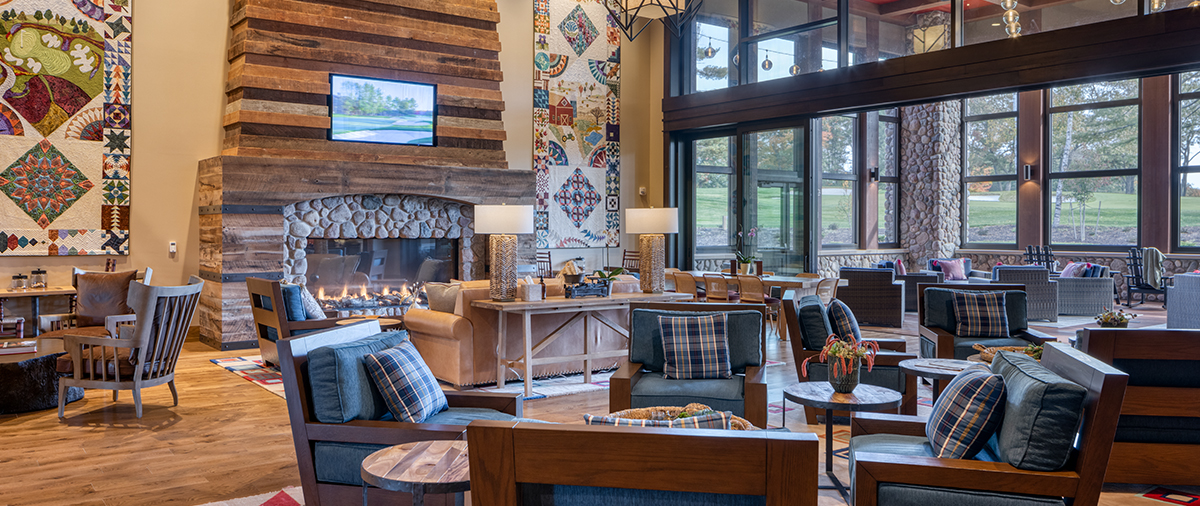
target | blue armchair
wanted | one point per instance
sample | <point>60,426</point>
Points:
<point>640,382</point>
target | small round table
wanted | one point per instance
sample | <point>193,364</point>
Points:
<point>820,395</point>
<point>936,369</point>
<point>434,467</point>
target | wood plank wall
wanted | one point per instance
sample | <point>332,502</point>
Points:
<point>276,149</point>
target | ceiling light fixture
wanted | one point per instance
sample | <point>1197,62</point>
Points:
<point>633,16</point>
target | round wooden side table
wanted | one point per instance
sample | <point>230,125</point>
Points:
<point>820,395</point>
<point>936,369</point>
<point>433,467</point>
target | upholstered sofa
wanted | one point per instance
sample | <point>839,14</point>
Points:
<point>911,280</point>
<point>460,344</point>
<point>939,326</point>
<point>874,295</point>
<point>338,417</point>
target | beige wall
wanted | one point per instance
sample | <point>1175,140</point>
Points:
<point>641,116</point>
<point>178,92</point>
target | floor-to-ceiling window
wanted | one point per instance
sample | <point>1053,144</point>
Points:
<point>1094,133</point>
<point>716,188</point>
<point>889,178</point>
<point>990,171</point>
<point>835,155</point>
<point>1187,161</point>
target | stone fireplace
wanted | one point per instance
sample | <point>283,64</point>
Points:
<point>257,216</point>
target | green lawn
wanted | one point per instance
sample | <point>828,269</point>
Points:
<point>1116,210</point>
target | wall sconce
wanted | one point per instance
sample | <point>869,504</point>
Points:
<point>1028,172</point>
<point>873,174</point>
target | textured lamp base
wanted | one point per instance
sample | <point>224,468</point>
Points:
<point>653,262</point>
<point>504,267</point>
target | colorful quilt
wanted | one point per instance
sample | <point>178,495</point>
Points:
<point>65,127</point>
<point>576,124</point>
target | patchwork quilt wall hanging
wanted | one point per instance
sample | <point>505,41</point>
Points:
<point>65,127</point>
<point>576,124</point>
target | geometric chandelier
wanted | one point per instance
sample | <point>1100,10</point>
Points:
<point>675,14</point>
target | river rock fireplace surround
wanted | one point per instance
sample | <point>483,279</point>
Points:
<point>257,214</point>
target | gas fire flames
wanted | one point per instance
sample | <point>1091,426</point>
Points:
<point>367,300</point>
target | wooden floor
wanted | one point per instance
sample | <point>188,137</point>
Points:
<point>229,438</point>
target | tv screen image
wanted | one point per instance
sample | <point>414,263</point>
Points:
<point>375,110</point>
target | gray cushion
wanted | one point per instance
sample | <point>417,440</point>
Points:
<point>538,494</point>
<point>939,309</point>
<point>464,416</point>
<point>342,389</point>
<point>1041,416</point>
<point>293,302</point>
<point>720,394</point>
<point>337,462</point>
<point>814,322</point>
<point>744,331</point>
<point>1158,429</point>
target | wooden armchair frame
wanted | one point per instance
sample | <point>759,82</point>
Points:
<point>1080,481</point>
<point>1159,463</point>
<point>306,430</point>
<point>622,381</point>
<point>266,304</point>
<point>779,465</point>
<point>895,348</point>
<point>59,321</point>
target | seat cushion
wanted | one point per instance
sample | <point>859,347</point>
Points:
<point>980,314</point>
<point>842,319</point>
<point>743,330</point>
<point>101,294</point>
<point>966,414</point>
<point>814,322</point>
<point>1041,415</point>
<point>896,494</point>
<point>695,347</point>
<point>342,389</point>
<point>720,394</point>
<point>464,416</point>
<point>408,386</point>
<point>99,331</point>
<point>341,463</point>
<point>98,365</point>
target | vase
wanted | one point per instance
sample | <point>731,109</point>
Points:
<point>843,381</point>
<point>1122,325</point>
<point>744,268</point>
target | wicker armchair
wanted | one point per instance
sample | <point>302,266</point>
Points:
<point>1042,291</point>
<point>1086,296</point>
<point>1182,300</point>
<point>873,295</point>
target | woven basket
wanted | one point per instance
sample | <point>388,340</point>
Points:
<point>988,353</point>
<point>672,412</point>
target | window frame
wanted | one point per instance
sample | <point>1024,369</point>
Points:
<point>1049,176</point>
<point>966,180</point>
<point>1178,169</point>
<point>883,118</point>
<point>854,176</point>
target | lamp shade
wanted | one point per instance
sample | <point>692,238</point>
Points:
<point>652,9</point>
<point>503,219</point>
<point>652,221</point>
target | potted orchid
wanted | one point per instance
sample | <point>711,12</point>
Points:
<point>845,357</point>
<point>744,259</point>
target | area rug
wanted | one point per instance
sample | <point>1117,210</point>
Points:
<point>1064,322</point>
<point>290,496</point>
<point>556,386</point>
<point>1170,496</point>
<point>252,369</point>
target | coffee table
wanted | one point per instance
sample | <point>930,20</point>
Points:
<point>435,467</point>
<point>936,369</point>
<point>820,395</point>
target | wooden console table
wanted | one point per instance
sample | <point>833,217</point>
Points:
<point>35,295</point>
<point>587,309</point>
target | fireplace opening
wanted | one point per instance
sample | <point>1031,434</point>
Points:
<point>377,276</point>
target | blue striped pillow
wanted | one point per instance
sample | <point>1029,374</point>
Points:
<point>980,314</point>
<point>967,414</point>
<point>713,420</point>
<point>695,347</point>
<point>843,321</point>
<point>408,386</point>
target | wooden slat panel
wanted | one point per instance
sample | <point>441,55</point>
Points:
<point>474,133</point>
<point>415,155</point>
<point>317,81</point>
<point>340,52</point>
<point>275,118</point>
<point>251,243</point>
<point>321,111</point>
<point>480,10</point>
<point>1161,401</point>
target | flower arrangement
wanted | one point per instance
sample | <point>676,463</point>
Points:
<point>740,251</point>
<point>846,352</point>
<point>1119,318</point>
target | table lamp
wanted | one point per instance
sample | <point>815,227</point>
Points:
<point>503,222</point>
<point>652,224</point>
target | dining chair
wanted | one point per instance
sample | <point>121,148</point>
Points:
<point>752,290</point>
<point>686,283</point>
<point>827,289</point>
<point>716,287</point>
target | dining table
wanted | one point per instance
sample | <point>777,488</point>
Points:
<point>783,282</point>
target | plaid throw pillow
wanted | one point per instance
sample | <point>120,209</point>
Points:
<point>714,420</point>
<point>980,314</point>
<point>967,414</point>
<point>843,321</point>
<point>408,386</point>
<point>695,347</point>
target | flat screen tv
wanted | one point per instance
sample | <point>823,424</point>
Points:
<point>382,111</point>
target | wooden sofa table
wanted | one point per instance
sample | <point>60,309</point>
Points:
<point>586,309</point>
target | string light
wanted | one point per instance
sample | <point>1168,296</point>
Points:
<point>710,52</point>
<point>795,69</point>
<point>766,64</point>
<point>1158,5</point>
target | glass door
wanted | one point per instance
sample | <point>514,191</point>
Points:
<point>773,171</point>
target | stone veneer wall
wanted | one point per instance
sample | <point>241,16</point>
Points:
<point>1174,264</point>
<point>829,263</point>
<point>381,217</point>
<point>931,180</point>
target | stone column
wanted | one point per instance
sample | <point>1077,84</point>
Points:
<point>931,180</point>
